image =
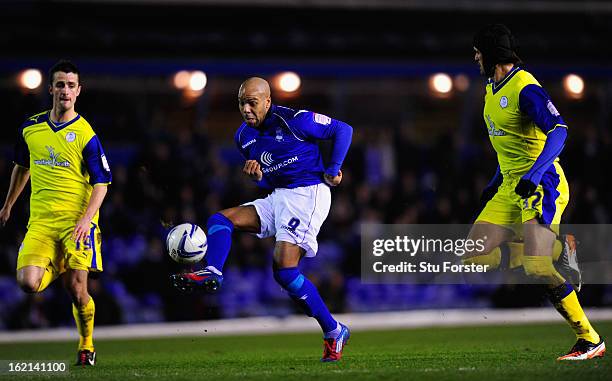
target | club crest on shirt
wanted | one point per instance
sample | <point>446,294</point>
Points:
<point>70,137</point>
<point>503,102</point>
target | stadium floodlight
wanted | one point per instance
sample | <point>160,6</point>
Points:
<point>441,83</point>
<point>462,82</point>
<point>289,82</point>
<point>30,79</point>
<point>181,79</point>
<point>197,81</point>
<point>574,85</point>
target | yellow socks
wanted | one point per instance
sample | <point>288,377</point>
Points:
<point>509,253</point>
<point>492,259</point>
<point>84,318</point>
<point>516,253</point>
<point>541,268</point>
<point>557,249</point>
<point>565,300</point>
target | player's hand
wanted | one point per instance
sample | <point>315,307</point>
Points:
<point>333,181</point>
<point>253,170</point>
<point>5,213</point>
<point>81,230</point>
<point>525,188</point>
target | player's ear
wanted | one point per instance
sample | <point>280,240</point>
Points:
<point>268,103</point>
<point>51,89</point>
<point>78,90</point>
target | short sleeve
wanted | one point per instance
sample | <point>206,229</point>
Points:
<point>96,162</point>
<point>21,154</point>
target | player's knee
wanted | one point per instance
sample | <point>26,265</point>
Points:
<point>283,261</point>
<point>287,255</point>
<point>28,282</point>
<point>29,285</point>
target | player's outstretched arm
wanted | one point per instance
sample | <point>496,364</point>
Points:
<point>83,226</point>
<point>19,179</point>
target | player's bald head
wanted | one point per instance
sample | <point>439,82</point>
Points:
<point>254,86</point>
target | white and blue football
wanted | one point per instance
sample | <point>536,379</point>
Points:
<point>186,243</point>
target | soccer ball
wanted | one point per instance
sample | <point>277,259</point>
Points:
<point>186,243</point>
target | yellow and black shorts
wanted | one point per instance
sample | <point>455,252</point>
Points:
<point>546,205</point>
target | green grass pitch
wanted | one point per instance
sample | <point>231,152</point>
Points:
<point>525,352</point>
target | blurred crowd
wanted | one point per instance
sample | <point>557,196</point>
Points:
<point>166,173</point>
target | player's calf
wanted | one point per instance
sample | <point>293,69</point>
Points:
<point>75,282</point>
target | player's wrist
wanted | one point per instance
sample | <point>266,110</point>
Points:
<point>533,178</point>
<point>333,172</point>
<point>87,218</point>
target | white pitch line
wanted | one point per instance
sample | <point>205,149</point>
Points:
<point>270,325</point>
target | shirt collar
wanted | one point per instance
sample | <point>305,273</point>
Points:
<point>268,120</point>
<point>506,79</point>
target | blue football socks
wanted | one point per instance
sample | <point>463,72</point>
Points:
<point>306,295</point>
<point>220,230</point>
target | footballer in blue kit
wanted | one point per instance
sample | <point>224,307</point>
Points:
<point>280,147</point>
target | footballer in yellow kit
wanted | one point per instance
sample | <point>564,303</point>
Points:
<point>527,196</point>
<point>60,160</point>
<point>59,151</point>
<point>518,142</point>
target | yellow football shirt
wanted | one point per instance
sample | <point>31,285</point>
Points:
<point>65,160</point>
<point>519,114</point>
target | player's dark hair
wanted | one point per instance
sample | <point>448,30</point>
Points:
<point>63,66</point>
<point>497,46</point>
